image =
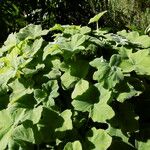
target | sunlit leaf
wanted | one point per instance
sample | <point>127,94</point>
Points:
<point>97,17</point>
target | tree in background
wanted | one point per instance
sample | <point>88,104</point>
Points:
<point>134,14</point>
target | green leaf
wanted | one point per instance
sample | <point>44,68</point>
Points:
<point>8,69</point>
<point>108,76</point>
<point>77,66</point>
<point>22,133</point>
<point>34,48</point>
<point>53,74</point>
<point>50,49</point>
<point>29,72</point>
<point>115,60</point>
<point>47,94</point>
<point>135,38</point>
<point>97,17</point>
<point>51,87</point>
<point>76,43</point>
<point>67,80</point>
<point>11,42</point>
<point>98,140</point>
<point>85,30</point>
<point>97,106</point>
<point>141,62</point>
<point>138,61</point>
<point>29,52</point>
<point>34,114</point>
<point>40,95</point>
<point>67,124</point>
<point>73,68</point>
<point>57,27</point>
<point>31,31</point>
<point>71,29</point>
<point>126,66</point>
<point>119,139</point>
<point>143,145</point>
<point>11,130</point>
<point>80,88</point>
<point>76,145</point>
<point>85,101</point>
<point>128,88</point>
<point>20,88</point>
<point>101,112</point>
<point>51,120</point>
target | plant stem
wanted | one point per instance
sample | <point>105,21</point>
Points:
<point>97,26</point>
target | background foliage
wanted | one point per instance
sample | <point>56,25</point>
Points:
<point>127,14</point>
<point>134,14</point>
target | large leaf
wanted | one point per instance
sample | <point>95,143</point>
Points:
<point>80,88</point>
<point>68,81</point>
<point>77,66</point>
<point>67,124</point>
<point>20,88</point>
<point>98,140</point>
<point>50,121</point>
<point>24,132</point>
<point>73,146</point>
<point>83,98</point>
<point>31,31</point>
<point>138,61</point>
<point>47,94</point>
<point>12,130</point>
<point>143,145</point>
<point>75,44</point>
<point>128,88</point>
<point>57,27</point>
<point>97,17</point>
<point>108,75</point>
<point>9,43</point>
<point>135,38</point>
<point>73,72</point>
<point>96,105</point>
<point>50,49</point>
<point>119,140</point>
<point>8,69</point>
<point>101,112</point>
<point>141,61</point>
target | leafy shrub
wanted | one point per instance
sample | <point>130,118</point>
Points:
<point>86,89</point>
<point>135,15</point>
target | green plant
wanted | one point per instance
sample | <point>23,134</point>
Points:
<point>147,30</point>
<point>96,19</point>
<point>86,89</point>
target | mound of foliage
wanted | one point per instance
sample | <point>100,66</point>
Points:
<point>85,89</point>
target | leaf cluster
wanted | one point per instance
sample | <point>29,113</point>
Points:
<point>84,89</point>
